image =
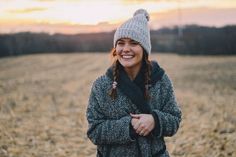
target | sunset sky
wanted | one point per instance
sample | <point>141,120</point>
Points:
<point>82,16</point>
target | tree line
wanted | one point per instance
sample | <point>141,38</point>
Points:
<point>195,40</point>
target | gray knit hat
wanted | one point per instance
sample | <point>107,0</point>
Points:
<point>137,29</point>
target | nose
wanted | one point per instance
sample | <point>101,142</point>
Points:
<point>126,47</point>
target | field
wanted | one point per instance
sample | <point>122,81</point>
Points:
<point>43,100</point>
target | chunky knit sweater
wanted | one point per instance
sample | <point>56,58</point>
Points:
<point>110,121</point>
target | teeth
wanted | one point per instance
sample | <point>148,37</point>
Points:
<point>127,57</point>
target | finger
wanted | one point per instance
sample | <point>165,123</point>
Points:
<point>146,133</point>
<point>136,126</point>
<point>139,129</point>
<point>134,121</point>
<point>135,115</point>
<point>141,133</point>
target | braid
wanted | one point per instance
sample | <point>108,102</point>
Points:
<point>115,71</point>
<point>147,75</point>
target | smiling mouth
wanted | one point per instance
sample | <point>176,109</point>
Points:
<point>127,56</point>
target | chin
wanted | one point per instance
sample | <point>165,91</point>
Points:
<point>126,64</point>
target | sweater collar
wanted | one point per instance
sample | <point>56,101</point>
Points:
<point>156,73</point>
<point>134,89</point>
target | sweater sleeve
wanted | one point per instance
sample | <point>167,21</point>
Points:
<point>106,131</point>
<point>167,119</point>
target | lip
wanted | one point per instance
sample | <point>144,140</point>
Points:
<point>127,56</point>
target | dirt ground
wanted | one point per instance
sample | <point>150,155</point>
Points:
<point>43,100</point>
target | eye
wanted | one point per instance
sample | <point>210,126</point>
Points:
<point>120,43</point>
<point>134,43</point>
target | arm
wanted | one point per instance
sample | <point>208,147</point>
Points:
<point>167,119</point>
<point>102,130</point>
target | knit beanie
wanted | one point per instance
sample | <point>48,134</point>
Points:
<point>137,29</point>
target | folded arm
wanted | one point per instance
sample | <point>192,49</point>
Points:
<point>106,131</point>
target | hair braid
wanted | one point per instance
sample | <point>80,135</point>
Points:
<point>115,71</point>
<point>147,75</point>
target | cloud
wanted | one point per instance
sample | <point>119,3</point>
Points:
<point>27,10</point>
<point>143,1</point>
<point>57,0</point>
<point>45,0</point>
<point>201,16</point>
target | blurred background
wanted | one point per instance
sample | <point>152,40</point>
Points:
<point>180,26</point>
<point>52,50</point>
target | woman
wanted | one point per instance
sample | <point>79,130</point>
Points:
<point>132,107</point>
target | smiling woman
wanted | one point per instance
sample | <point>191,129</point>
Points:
<point>132,107</point>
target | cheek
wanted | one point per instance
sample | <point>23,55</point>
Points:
<point>118,50</point>
<point>139,54</point>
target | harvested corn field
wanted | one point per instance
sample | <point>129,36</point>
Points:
<point>43,100</point>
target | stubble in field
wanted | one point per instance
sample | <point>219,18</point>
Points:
<point>43,101</point>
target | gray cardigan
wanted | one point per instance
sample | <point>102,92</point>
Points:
<point>109,120</point>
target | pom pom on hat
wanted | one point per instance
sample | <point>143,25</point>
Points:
<point>142,12</point>
<point>136,28</point>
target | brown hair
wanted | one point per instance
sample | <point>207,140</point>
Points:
<point>115,72</point>
<point>116,68</point>
<point>147,75</point>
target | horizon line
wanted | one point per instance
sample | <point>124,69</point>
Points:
<point>110,31</point>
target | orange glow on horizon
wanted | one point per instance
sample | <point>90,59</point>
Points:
<point>30,14</point>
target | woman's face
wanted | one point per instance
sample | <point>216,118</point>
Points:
<point>129,53</point>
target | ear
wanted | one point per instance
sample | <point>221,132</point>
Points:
<point>114,52</point>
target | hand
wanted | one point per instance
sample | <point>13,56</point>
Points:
<point>143,124</point>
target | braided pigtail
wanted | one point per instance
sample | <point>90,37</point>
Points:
<point>115,71</point>
<point>147,75</point>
